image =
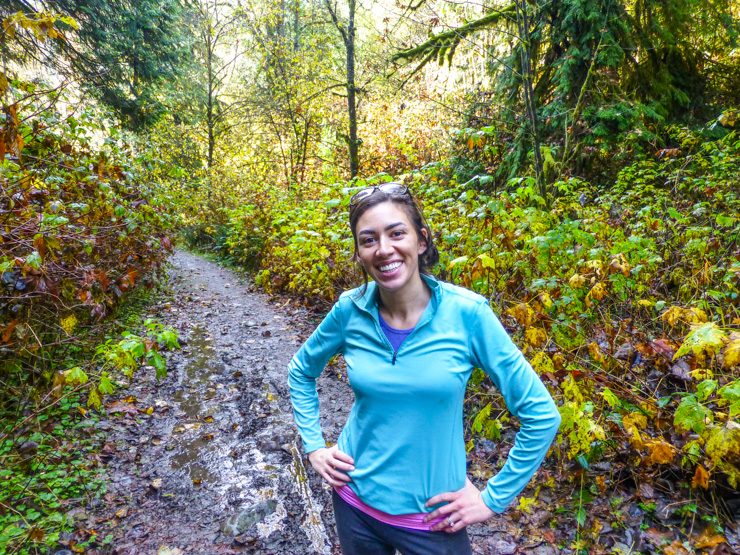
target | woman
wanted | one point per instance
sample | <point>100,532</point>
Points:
<point>410,343</point>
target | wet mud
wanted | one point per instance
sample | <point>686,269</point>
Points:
<point>207,461</point>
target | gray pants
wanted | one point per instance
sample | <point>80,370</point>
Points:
<point>361,534</point>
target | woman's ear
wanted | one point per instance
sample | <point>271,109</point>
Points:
<point>423,245</point>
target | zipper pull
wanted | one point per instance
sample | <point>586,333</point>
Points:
<point>395,354</point>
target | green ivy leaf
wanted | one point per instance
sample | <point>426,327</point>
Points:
<point>706,337</point>
<point>106,386</point>
<point>157,360</point>
<point>691,415</point>
<point>75,376</point>
<point>705,388</point>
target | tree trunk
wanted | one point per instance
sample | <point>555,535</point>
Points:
<point>522,20</point>
<point>348,37</point>
<point>354,145</point>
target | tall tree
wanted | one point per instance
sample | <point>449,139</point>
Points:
<point>126,52</point>
<point>599,68</point>
<point>347,32</point>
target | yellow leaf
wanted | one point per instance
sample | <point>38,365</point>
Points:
<point>577,281</point>
<point>619,264</point>
<point>596,266</point>
<point>659,452</point>
<point>633,422</point>
<point>595,352</point>
<point>542,363</point>
<point>526,503</point>
<point>68,323</point>
<point>732,351</point>
<point>522,313</point>
<point>93,398</point>
<point>675,314</point>
<point>700,479</point>
<point>697,315</point>
<point>702,374</point>
<point>546,300</point>
<point>646,303</point>
<point>535,336</point>
<point>636,419</point>
<point>598,291</point>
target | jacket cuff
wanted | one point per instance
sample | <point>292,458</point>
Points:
<point>313,446</point>
<point>491,503</point>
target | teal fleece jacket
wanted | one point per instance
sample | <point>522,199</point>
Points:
<point>405,429</point>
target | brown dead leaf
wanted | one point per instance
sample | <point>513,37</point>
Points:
<point>122,513</point>
<point>645,490</point>
<point>118,406</point>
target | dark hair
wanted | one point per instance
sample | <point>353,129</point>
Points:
<point>406,201</point>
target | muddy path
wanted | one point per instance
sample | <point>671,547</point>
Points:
<point>207,461</point>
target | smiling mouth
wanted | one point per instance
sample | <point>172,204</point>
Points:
<point>389,267</point>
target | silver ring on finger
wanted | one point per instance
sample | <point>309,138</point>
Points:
<point>450,522</point>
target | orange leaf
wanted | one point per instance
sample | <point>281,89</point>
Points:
<point>659,452</point>
<point>8,331</point>
<point>676,548</point>
<point>708,539</point>
<point>700,479</point>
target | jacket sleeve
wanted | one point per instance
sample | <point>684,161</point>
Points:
<point>526,397</point>
<point>307,364</point>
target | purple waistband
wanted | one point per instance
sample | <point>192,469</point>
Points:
<point>415,521</point>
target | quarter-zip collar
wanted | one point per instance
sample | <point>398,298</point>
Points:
<point>368,303</point>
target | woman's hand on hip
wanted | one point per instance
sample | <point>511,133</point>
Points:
<point>464,507</point>
<point>331,464</point>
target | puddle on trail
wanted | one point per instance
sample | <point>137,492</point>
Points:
<point>197,386</point>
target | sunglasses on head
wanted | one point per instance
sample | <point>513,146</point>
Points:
<point>391,188</point>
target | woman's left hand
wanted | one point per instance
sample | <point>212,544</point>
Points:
<point>464,507</point>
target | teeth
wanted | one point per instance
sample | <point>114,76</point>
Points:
<point>389,267</point>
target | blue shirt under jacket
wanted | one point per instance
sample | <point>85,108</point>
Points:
<point>405,429</point>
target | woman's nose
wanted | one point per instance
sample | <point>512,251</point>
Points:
<point>384,246</point>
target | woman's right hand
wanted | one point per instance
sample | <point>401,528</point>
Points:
<point>331,464</point>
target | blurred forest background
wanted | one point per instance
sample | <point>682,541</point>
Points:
<point>577,160</point>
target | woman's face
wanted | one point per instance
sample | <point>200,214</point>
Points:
<point>388,246</point>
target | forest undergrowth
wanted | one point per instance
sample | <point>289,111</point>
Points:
<point>624,299</point>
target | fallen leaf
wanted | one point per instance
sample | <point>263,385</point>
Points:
<point>659,452</point>
<point>156,483</point>
<point>700,479</point>
<point>122,513</point>
<point>708,539</point>
<point>676,548</point>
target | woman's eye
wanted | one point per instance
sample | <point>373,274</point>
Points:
<point>368,240</point>
<point>397,234</point>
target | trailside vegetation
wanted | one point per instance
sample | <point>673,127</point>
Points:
<point>576,159</point>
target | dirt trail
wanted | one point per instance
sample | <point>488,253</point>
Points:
<point>207,460</point>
